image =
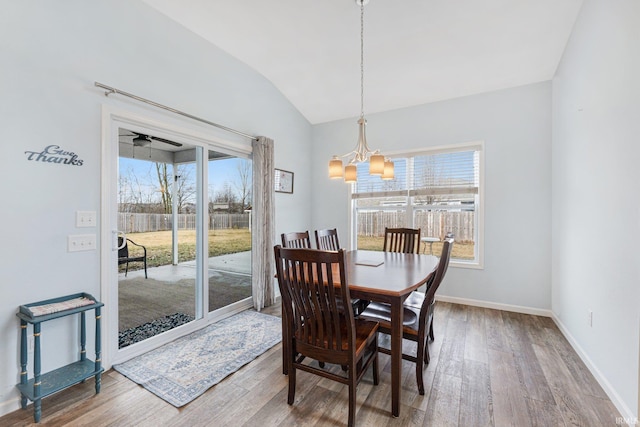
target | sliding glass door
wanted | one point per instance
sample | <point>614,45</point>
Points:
<point>184,234</point>
<point>229,234</point>
<point>158,234</point>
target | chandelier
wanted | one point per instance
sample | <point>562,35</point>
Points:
<point>378,164</point>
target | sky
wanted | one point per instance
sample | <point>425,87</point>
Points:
<point>220,172</point>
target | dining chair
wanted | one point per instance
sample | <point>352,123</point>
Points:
<point>296,239</point>
<point>417,315</point>
<point>316,327</point>
<point>327,239</point>
<point>405,240</point>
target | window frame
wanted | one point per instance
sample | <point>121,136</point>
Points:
<point>410,208</point>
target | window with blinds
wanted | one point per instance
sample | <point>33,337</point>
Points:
<point>438,191</point>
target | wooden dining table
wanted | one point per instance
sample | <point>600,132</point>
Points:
<point>387,277</point>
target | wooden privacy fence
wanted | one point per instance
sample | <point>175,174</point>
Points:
<point>431,223</point>
<point>142,223</point>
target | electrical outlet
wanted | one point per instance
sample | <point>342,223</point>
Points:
<point>590,318</point>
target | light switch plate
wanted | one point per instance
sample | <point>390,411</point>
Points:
<point>81,242</point>
<point>85,218</point>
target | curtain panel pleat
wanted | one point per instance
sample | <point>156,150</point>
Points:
<point>262,224</point>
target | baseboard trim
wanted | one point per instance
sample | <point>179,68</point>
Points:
<point>495,306</point>
<point>626,412</point>
<point>13,404</point>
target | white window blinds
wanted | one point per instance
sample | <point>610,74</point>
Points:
<point>445,174</point>
<point>424,174</point>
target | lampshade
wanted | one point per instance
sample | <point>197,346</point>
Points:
<point>376,164</point>
<point>335,168</point>
<point>388,170</point>
<point>350,173</point>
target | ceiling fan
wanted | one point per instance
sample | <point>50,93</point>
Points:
<point>142,140</point>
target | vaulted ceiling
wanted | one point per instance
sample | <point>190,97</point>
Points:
<point>415,51</point>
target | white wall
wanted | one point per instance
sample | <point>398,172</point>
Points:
<point>50,55</point>
<point>515,125</point>
<point>596,203</point>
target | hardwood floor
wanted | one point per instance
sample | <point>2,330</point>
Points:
<point>488,368</point>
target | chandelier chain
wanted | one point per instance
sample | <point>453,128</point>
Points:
<point>362,59</point>
<point>378,164</point>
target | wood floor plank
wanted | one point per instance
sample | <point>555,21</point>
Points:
<point>245,408</point>
<point>507,392</point>
<point>487,367</point>
<point>476,408</point>
<point>569,399</point>
<point>604,409</point>
<point>444,401</point>
<point>544,414</point>
<point>494,329</point>
<point>452,349</point>
<point>527,365</point>
<point>475,345</point>
<point>581,374</point>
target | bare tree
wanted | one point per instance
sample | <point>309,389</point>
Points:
<point>134,193</point>
<point>185,189</point>
<point>243,185</point>
<point>165,191</point>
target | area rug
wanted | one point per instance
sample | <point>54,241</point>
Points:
<point>183,369</point>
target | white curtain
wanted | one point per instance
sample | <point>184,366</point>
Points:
<point>262,224</point>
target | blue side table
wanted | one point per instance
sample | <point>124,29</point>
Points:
<point>42,385</point>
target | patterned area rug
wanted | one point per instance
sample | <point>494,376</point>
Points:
<point>183,369</point>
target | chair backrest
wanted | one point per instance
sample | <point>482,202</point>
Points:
<point>296,239</point>
<point>405,240</point>
<point>441,271</point>
<point>123,252</point>
<point>327,240</point>
<point>313,302</point>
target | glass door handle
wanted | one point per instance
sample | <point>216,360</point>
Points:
<point>117,233</point>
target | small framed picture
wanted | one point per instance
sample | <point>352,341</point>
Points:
<point>284,181</point>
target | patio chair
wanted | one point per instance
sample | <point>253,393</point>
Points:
<point>125,258</point>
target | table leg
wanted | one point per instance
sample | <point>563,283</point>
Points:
<point>37,383</point>
<point>396,355</point>
<point>98,338</point>
<point>23,361</point>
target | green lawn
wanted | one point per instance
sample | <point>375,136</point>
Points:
<point>158,244</point>
<point>462,250</point>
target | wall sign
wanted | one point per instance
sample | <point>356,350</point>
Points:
<point>284,181</point>
<point>54,154</point>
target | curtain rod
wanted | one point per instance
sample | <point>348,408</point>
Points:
<point>111,90</point>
